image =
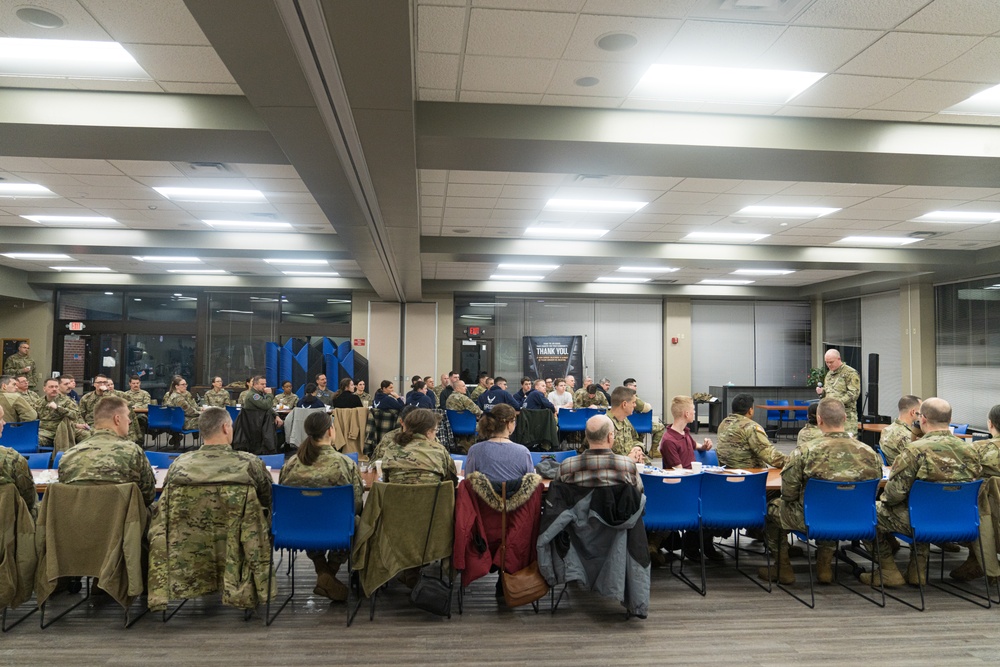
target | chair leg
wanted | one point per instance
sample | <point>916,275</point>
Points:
<point>6,627</point>
<point>130,620</point>
<point>167,617</point>
<point>962,592</point>
<point>854,568</point>
<point>812,593</point>
<point>679,574</point>
<point>44,625</point>
<point>922,607</point>
<point>353,584</point>
<point>268,619</point>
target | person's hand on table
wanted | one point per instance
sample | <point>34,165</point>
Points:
<point>637,454</point>
<point>278,421</point>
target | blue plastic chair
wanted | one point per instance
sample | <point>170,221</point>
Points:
<point>672,503</point>
<point>317,519</point>
<point>177,423</point>
<point>38,461</point>
<point>462,423</point>
<point>642,422</point>
<point>960,429</point>
<point>799,415</point>
<point>233,411</point>
<point>459,457</point>
<point>536,457</point>
<point>572,421</point>
<point>733,502</point>
<point>57,459</point>
<point>157,421</point>
<point>352,455</point>
<point>160,459</point>
<point>273,461</point>
<point>22,437</point>
<point>838,511</point>
<point>944,512</point>
<point>709,458</point>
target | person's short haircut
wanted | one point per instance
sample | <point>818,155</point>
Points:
<point>211,420</point>
<point>621,394</point>
<point>994,416</point>
<point>908,402</point>
<point>832,412</point>
<point>108,407</point>
<point>499,378</point>
<point>311,388</point>
<point>98,376</point>
<point>66,376</point>
<point>936,410</point>
<point>483,374</point>
<point>134,377</point>
<point>592,389</point>
<point>679,404</point>
<point>525,379</point>
<point>418,385</point>
<point>6,379</point>
<point>48,380</point>
<point>450,373</point>
<point>628,381</point>
<point>742,403</point>
<point>255,378</point>
<point>603,380</point>
<point>600,434</point>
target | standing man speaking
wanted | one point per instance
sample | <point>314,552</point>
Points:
<point>843,384</point>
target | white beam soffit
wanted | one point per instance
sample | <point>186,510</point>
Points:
<point>52,279</point>
<point>299,82</point>
<point>494,137</point>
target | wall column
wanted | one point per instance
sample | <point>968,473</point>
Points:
<point>918,351</point>
<point>676,357</point>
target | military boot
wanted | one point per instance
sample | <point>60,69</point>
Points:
<point>824,565</point>
<point>888,574</point>
<point>916,571</point>
<point>968,571</point>
<point>781,571</point>
<point>327,584</point>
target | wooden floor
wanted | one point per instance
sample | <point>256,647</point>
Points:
<point>736,622</point>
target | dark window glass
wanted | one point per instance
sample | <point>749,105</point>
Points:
<point>90,305</point>
<point>311,308</point>
<point>162,306</point>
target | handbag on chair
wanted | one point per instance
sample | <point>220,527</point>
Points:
<point>432,594</point>
<point>527,584</point>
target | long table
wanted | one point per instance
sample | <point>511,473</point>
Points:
<point>48,476</point>
<point>878,428</point>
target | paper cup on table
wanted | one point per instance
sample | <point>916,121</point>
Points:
<point>696,466</point>
<point>378,468</point>
<point>459,464</point>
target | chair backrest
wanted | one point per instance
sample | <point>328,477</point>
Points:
<point>458,457</point>
<point>642,421</point>
<point>536,457</point>
<point>233,411</point>
<point>709,458</point>
<point>22,437</point>
<point>312,518</point>
<point>591,412</point>
<point>352,455</point>
<point>57,459</point>
<point>462,423</point>
<point>158,417</point>
<point>801,415</point>
<point>945,511</point>
<point>161,459</point>
<point>672,503</point>
<point>176,415</point>
<point>960,429</point>
<point>38,461</point>
<point>572,420</point>
<point>840,510</point>
<point>733,501</point>
<point>273,461</point>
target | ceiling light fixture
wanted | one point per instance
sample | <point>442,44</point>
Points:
<point>647,269</point>
<point>25,190</point>
<point>167,260</point>
<point>40,18</point>
<point>213,195</point>
<point>297,262</point>
<point>594,205</point>
<point>564,233</point>
<point>198,272</point>
<point>724,237</point>
<point>622,279</point>
<point>82,269</point>
<point>529,267</point>
<point>762,272</point>
<point>985,103</point>
<point>727,85</point>
<point>71,220</point>
<point>249,225</point>
<point>500,276</point>
<point>38,255</point>
<point>616,41</point>
<point>327,274</point>
<point>877,240</point>
<point>68,59</point>
<point>720,281</point>
<point>958,217</point>
<point>787,212</point>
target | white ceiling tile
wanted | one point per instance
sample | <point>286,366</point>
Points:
<point>705,185</point>
<point>79,22</point>
<point>867,189</point>
<point>459,176</point>
<point>931,96</point>
<point>816,49</point>
<point>431,95</point>
<point>652,35</point>
<point>160,22</point>
<point>181,63</point>
<point>498,98</point>
<point>650,182</point>
<point>440,29</point>
<point>671,9</point>
<point>531,178</point>
<point>852,92</point>
<point>760,187</point>
<point>614,79</point>
<point>433,175</point>
<point>118,86</point>
<point>516,33</point>
<point>878,14</point>
<point>279,189</point>
<point>534,5</point>
<point>901,54</point>
<point>742,109</point>
<point>144,168</point>
<point>527,191</point>
<point>878,114</point>
<point>507,75</point>
<point>521,204</point>
<point>961,120</point>
<point>432,188</point>
<point>80,166</point>
<point>956,17</point>
<point>580,101</point>
<point>662,105</point>
<point>430,200</point>
<point>813,112</point>
<point>981,63</point>
<point>435,70</point>
<point>195,88</point>
<point>719,44</point>
<point>469,202</point>
<point>813,189</point>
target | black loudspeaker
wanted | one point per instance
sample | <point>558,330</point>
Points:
<point>872,384</point>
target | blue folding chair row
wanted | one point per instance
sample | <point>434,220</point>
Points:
<point>22,437</point>
<point>462,423</point>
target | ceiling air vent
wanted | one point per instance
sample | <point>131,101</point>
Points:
<point>206,169</point>
<point>764,11</point>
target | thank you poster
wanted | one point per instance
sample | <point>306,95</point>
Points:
<point>553,356</point>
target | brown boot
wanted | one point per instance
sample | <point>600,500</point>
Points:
<point>327,584</point>
<point>893,543</point>
<point>916,571</point>
<point>782,571</point>
<point>888,574</point>
<point>968,571</point>
<point>824,565</point>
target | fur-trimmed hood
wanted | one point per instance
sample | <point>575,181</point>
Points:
<point>518,490</point>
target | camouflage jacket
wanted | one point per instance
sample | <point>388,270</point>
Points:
<point>625,437</point>
<point>16,408</point>
<point>989,456</point>
<point>331,468</point>
<point>808,433</point>
<point>288,401</point>
<point>137,399</point>
<point>221,464</point>
<point>387,439</point>
<point>243,397</point>
<point>743,444</point>
<point>460,403</point>
<point>581,399</point>
<point>186,402</point>
<point>422,461</point>
<point>34,399</point>
<point>476,392</point>
<point>16,364</point>
<point>87,404</point>
<point>106,458</point>
<point>937,457</point>
<point>834,456</point>
<point>844,384</point>
<point>14,470</point>
<point>895,437</point>
<point>642,406</point>
<point>50,418</point>
<point>215,398</point>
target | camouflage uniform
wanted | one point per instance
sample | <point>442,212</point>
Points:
<point>331,468</point>
<point>138,398</point>
<point>21,364</point>
<point>366,398</point>
<point>989,456</point>
<point>833,456</point>
<point>34,399</point>
<point>895,437</point>
<point>215,398</point>
<point>106,458</point>
<point>437,392</point>
<point>245,393</point>
<point>287,402</point>
<point>14,470</point>
<point>221,464</point>
<point>625,437</point>
<point>87,404</point>
<point>477,392</point>
<point>460,403</point>
<point>844,384</point>
<point>387,440</point>
<point>422,461</point>
<point>808,433</point>
<point>16,408</point>
<point>187,403</point>
<point>743,444</point>
<point>581,399</point>
<point>937,457</point>
<point>50,419</point>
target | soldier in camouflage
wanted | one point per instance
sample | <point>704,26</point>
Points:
<point>106,457</point>
<point>88,402</point>
<point>416,457</point>
<point>590,396</point>
<point>989,456</point>
<point>34,399</point>
<point>14,405</point>
<point>14,470</point>
<point>627,442</point>
<point>178,396</point>
<point>938,456</point>
<point>60,424</point>
<point>810,431</point>
<point>481,386</point>
<point>216,397</point>
<point>834,456</point>
<point>742,441</point>
<point>899,434</point>
<point>459,402</point>
<point>844,384</point>
<point>20,362</point>
<point>286,400</point>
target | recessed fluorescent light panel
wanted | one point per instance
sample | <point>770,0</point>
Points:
<point>25,190</point>
<point>594,205</point>
<point>622,279</point>
<point>249,225</point>
<point>38,255</point>
<point>62,220</point>
<point>168,260</point>
<point>724,237</point>
<point>762,272</point>
<point>529,267</point>
<point>565,233</point>
<point>986,103</point>
<point>498,276</point>
<point>327,274</point>
<point>647,269</point>
<point>198,272</point>
<point>786,212</point>
<point>877,240</point>
<point>68,59</point>
<point>958,217</point>
<point>82,269</point>
<point>719,281</point>
<point>727,85</point>
<point>297,262</point>
<point>213,195</point>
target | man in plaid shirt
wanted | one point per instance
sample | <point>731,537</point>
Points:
<point>598,465</point>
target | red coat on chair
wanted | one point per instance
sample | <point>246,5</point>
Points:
<point>478,515</point>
